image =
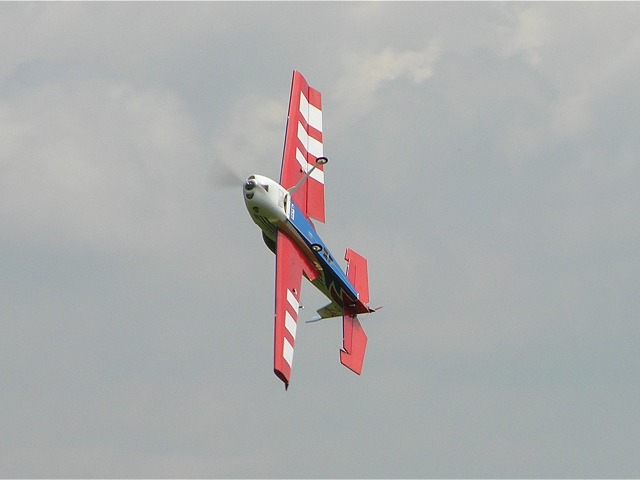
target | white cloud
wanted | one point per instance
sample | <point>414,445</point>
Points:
<point>579,61</point>
<point>365,73</point>
<point>529,33</point>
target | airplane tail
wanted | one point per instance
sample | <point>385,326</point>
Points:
<point>354,340</point>
<point>354,343</point>
<point>358,275</point>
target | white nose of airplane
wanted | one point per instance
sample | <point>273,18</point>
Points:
<point>265,198</point>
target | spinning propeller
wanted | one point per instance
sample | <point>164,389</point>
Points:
<point>225,176</point>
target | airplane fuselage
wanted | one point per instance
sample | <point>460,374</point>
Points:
<point>272,208</point>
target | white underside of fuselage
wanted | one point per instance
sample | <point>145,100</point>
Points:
<point>269,205</point>
<point>272,209</point>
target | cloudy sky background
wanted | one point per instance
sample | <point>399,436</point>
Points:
<point>485,158</point>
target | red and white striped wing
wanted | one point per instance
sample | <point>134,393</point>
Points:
<point>291,264</point>
<point>303,145</point>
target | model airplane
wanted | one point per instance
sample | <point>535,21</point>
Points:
<point>283,211</point>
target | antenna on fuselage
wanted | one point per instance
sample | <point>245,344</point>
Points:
<point>319,161</point>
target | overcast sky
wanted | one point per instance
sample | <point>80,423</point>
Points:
<point>484,157</point>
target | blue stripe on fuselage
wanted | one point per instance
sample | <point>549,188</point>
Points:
<point>332,271</point>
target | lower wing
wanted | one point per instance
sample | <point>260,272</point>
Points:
<point>291,264</point>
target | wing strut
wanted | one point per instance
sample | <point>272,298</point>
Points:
<point>319,161</point>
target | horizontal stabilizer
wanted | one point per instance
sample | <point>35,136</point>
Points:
<point>354,343</point>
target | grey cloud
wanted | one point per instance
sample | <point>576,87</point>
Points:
<point>483,158</point>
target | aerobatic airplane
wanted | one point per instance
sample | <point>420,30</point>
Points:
<point>283,211</point>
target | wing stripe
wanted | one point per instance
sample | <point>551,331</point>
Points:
<point>311,113</point>
<point>292,301</point>
<point>313,146</point>
<point>287,352</point>
<point>290,324</point>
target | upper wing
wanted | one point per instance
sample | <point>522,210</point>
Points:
<point>302,146</point>
<point>291,264</point>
